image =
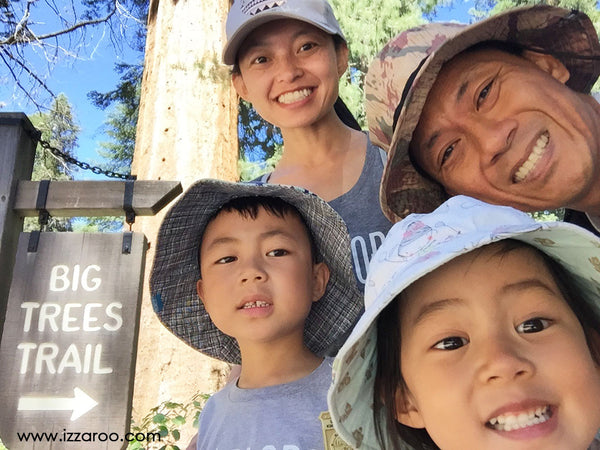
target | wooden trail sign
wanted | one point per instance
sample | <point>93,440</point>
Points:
<point>67,354</point>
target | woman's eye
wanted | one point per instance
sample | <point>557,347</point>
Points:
<point>484,93</point>
<point>450,343</point>
<point>533,325</point>
<point>307,46</point>
<point>278,252</point>
<point>226,259</point>
<point>447,152</point>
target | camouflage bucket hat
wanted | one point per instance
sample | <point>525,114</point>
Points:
<point>176,268</point>
<point>401,76</point>
<point>418,245</point>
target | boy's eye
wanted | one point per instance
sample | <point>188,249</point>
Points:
<point>259,60</point>
<point>278,252</point>
<point>534,325</point>
<point>226,259</point>
<point>451,343</point>
<point>484,93</point>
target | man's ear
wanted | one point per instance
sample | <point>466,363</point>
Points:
<point>200,289</point>
<point>407,412</point>
<point>321,278</point>
<point>548,64</point>
<point>342,59</point>
<point>240,86</point>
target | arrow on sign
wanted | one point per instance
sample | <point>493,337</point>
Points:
<point>80,403</point>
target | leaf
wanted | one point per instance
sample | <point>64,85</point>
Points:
<point>176,434</point>
<point>159,418</point>
<point>179,420</point>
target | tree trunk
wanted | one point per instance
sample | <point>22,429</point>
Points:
<point>187,130</point>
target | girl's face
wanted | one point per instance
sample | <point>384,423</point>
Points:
<point>289,71</point>
<point>494,358</point>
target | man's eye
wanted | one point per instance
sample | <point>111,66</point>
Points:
<point>259,60</point>
<point>278,252</point>
<point>451,343</point>
<point>447,152</point>
<point>484,93</point>
<point>226,259</point>
<point>534,325</point>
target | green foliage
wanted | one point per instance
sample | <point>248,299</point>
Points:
<point>167,420</point>
<point>59,128</point>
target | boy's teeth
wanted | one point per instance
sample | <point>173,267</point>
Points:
<point>509,422</point>
<point>255,305</point>
<point>534,157</point>
<point>291,97</point>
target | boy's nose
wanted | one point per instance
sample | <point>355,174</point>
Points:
<point>503,360</point>
<point>253,271</point>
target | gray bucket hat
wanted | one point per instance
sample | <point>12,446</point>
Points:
<point>176,270</point>
<point>401,76</point>
<point>247,15</point>
<point>418,245</point>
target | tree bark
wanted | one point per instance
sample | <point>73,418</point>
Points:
<point>187,130</point>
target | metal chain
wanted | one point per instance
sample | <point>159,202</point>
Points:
<point>85,166</point>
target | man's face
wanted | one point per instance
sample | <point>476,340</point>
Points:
<point>506,129</point>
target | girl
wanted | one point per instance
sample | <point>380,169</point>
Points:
<point>287,58</point>
<point>481,330</point>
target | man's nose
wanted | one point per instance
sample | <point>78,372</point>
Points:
<point>494,137</point>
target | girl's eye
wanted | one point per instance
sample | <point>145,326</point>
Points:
<point>451,343</point>
<point>534,325</point>
<point>484,93</point>
<point>278,252</point>
<point>447,152</point>
<point>226,259</point>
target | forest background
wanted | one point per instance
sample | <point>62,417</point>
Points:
<point>37,37</point>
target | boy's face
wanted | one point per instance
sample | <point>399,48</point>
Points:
<point>258,276</point>
<point>289,71</point>
<point>494,358</point>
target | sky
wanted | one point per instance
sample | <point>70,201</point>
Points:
<point>94,70</point>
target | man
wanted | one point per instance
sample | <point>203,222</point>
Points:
<point>499,110</point>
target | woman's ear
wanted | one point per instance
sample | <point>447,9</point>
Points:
<point>240,86</point>
<point>320,280</point>
<point>548,64</point>
<point>342,58</point>
<point>407,412</point>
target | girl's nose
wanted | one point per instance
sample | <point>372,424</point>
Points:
<point>503,360</point>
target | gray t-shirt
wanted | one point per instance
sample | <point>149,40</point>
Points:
<point>360,209</point>
<point>285,416</point>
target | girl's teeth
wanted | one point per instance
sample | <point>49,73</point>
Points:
<point>509,422</point>
<point>534,157</point>
<point>291,97</point>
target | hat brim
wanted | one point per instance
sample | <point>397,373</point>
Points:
<point>403,189</point>
<point>176,271</point>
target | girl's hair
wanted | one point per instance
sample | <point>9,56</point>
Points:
<point>390,384</point>
<point>339,106</point>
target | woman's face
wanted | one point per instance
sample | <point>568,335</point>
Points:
<point>289,71</point>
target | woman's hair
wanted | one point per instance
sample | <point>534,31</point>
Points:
<point>390,384</point>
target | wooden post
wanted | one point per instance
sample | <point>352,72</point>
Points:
<point>17,152</point>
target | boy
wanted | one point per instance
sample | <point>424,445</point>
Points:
<point>258,275</point>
